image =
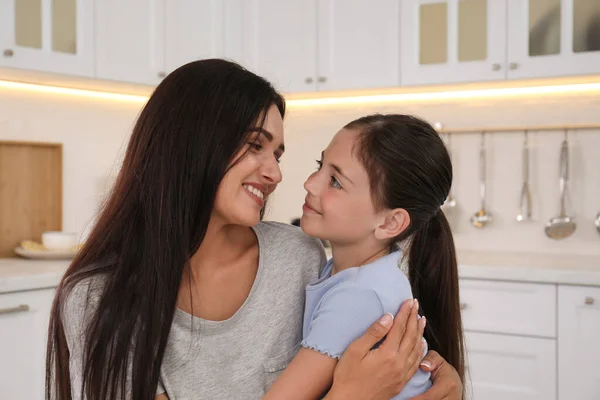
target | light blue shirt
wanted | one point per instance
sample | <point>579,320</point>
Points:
<point>340,308</point>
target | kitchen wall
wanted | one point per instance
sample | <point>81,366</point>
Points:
<point>95,132</point>
<point>309,131</point>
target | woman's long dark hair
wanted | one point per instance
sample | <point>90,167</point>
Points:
<point>155,219</point>
<point>409,167</point>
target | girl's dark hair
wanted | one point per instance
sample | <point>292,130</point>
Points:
<point>409,167</point>
<point>155,219</point>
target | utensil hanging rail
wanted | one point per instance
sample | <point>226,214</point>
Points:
<point>520,128</point>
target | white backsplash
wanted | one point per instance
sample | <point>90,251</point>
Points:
<point>94,134</point>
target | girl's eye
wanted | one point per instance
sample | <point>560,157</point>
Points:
<point>335,183</point>
<point>319,164</point>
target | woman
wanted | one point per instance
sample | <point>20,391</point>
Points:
<point>179,288</point>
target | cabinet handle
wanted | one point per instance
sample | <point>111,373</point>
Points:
<point>513,65</point>
<point>8,53</point>
<point>161,74</point>
<point>322,79</point>
<point>589,301</point>
<point>496,67</point>
<point>308,80</point>
<point>464,306</point>
<point>14,310</point>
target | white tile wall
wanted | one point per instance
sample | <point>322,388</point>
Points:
<point>95,132</point>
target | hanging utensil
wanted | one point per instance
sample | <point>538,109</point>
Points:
<point>450,202</point>
<point>481,218</point>
<point>525,203</point>
<point>597,222</point>
<point>563,226</point>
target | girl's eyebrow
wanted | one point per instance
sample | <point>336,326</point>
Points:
<point>338,169</point>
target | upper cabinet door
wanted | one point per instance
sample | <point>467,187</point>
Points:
<point>553,38</point>
<point>130,40</point>
<point>452,41</point>
<point>47,35</point>
<point>358,44</point>
<point>277,40</point>
<point>193,31</point>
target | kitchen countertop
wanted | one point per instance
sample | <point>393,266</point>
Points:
<point>524,267</point>
<point>18,274</point>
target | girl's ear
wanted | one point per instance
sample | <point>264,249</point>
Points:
<point>392,224</point>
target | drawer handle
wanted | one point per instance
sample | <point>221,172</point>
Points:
<point>13,310</point>
<point>464,306</point>
<point>589,301</point>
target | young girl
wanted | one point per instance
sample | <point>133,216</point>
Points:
<point>379,185</point>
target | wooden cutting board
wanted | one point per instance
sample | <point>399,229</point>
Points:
<point>30,192</point>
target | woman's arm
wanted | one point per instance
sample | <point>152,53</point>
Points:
<point>311,373</point>
<point>363,373</point>
<point>446,382</point>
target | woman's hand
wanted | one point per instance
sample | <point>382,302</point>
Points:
<point>381,373</point>
<point>446,382</point>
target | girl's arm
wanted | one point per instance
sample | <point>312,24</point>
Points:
<point>308,377</point>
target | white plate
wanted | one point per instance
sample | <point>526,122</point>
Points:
<point>46,254</point>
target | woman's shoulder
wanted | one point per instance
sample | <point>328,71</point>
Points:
<point>288,243</point>
<point>282,233</point>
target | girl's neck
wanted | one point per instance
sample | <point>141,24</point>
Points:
<point>355,255</point>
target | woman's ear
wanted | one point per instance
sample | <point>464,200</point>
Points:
<point>393,223</point>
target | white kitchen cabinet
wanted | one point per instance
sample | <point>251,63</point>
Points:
<point>275,39</point>
<point>24,318</point>
<point>501,367</point>
<point>194,30</point>
<point>578,348</point>
<point>489,306</point>
<point>48,35</point>
<point>310,45</point>
<point>130,40</point>
<point>145,40</point>
<point>452,41</point>
<point>358,44</point>
<point>553,38</point>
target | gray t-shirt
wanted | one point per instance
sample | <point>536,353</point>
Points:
<point>238,358</point>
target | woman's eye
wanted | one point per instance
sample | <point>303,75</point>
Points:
<point>335,183</point>
<point>255,146</point>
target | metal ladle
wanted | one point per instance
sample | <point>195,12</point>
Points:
<point>481,218</point>
<point>525,204</point>
<point>563,226</point>
<point>597,222</point>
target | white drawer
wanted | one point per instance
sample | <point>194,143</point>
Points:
<point>507,307</point>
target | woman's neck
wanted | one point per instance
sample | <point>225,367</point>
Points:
<point>356,254</point>
<point>222,245</point>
